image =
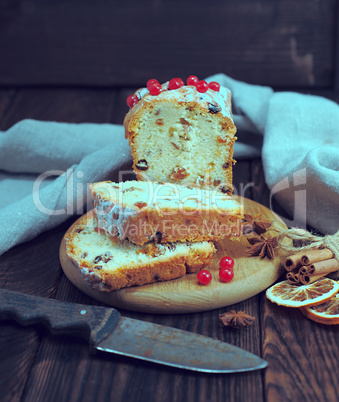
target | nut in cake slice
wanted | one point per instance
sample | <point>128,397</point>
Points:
<point>143,211</point>
<point>107,263</point>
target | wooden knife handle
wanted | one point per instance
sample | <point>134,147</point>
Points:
<point>89,322</point>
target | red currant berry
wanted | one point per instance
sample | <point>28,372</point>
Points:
<point>226,274</point>
<point>132,100</point>
<point>151,82</point>
<point>181,82</point>
<point>226,262</point>
<point>214,85</point>
<point>204,277</point>
<point>155,88</point>
<point>175,83</point>
<point>192,80</point>
<point>202,86</point>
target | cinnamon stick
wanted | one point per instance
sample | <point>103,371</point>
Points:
<point>322,267</point>
<point>315,255</point>
<point>306,279</point>
<point>313,272</point>
<point>293,261</point>
<point>293,278</point>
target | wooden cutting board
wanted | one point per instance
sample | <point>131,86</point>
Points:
<point>252,275</point>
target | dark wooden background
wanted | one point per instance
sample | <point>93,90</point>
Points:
<point>282,43</point>
<point>76,61</point>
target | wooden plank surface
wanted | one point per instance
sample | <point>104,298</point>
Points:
<point>303,355</point>
<point>60,104</point>
<point>109,43</point>
<point>35,366</point>
<point>30,268</point>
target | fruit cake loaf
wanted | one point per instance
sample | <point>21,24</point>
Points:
<point>182,135</point>
<point>108,263</point>
<point>142,211</point>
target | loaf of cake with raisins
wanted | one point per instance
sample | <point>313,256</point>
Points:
<point>142,211</point>
<point>107,263</point>
<point>183,136</point>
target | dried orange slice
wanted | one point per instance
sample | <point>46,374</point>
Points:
<point>325,313</point>
<point>285,294</point>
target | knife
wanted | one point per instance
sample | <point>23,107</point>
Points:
<point>108,331</point>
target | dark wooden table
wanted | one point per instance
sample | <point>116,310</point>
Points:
<point>35,366</point>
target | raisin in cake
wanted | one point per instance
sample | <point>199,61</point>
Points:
<point>108,263</point>
<point>183,136</point>
<point>143,211</point>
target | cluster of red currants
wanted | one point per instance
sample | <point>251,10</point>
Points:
<point>154,87</point>
<point>226,273</point>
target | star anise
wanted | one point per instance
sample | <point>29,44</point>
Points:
<point>236,320</point>
<point>255,224</point>
<point>262,247</point>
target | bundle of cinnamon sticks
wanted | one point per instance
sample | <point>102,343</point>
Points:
<point>308,266</point>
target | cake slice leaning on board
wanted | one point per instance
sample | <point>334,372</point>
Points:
<point>107,263</point>
<point>142,211</point>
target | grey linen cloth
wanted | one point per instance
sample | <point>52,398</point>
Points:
<point>300,151</point>
<point>45,167</point>
<point>59,161</point>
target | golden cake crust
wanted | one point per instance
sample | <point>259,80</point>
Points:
<point>93,253</point>
<point>125,214</point>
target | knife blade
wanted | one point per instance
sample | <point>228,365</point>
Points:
<point>107,331</point>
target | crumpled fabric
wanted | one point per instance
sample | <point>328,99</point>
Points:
<point>46,169</point>
<point>300,151</point>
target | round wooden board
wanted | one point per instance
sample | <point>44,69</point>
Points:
<point>252,275</point>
